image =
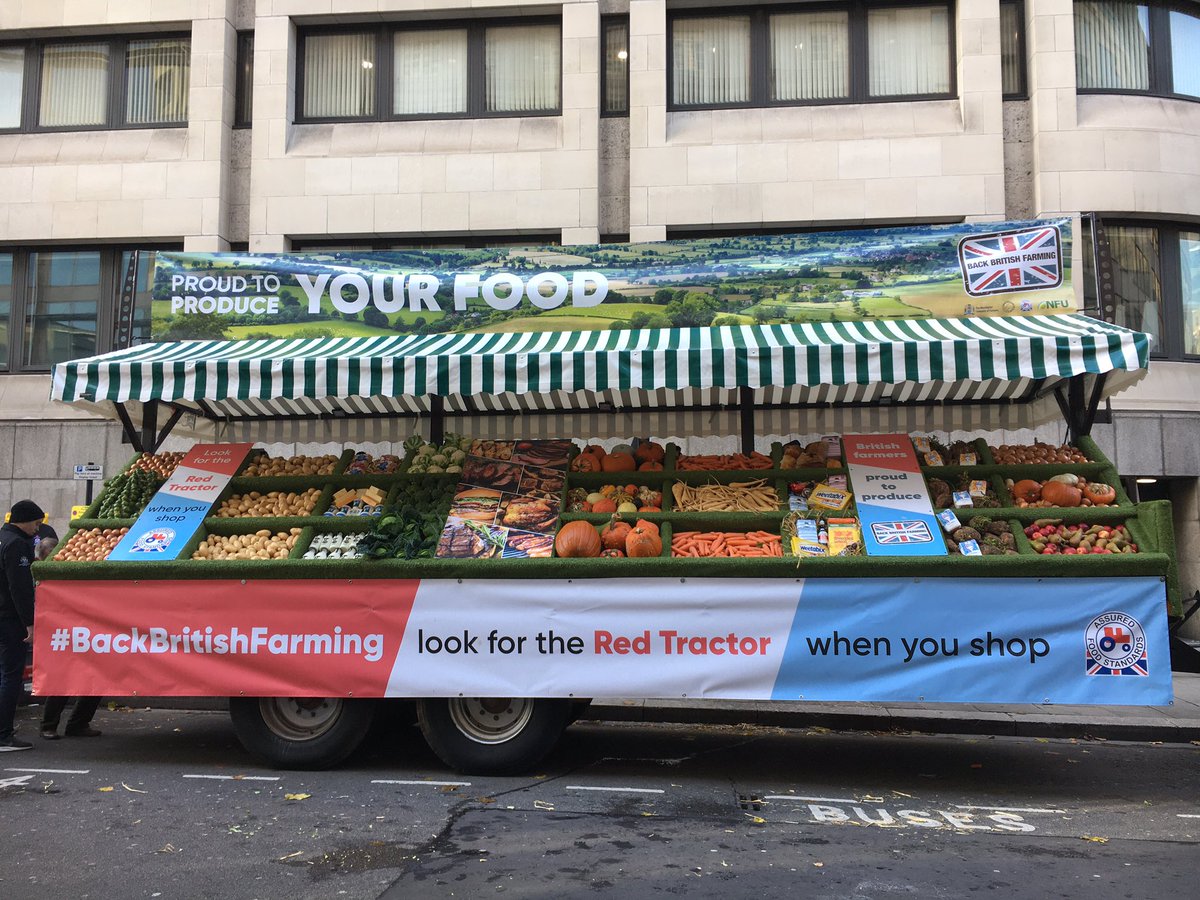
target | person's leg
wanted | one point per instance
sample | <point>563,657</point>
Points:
<point>12,667</point>
<point>52,711</point>
<point>81,716</point>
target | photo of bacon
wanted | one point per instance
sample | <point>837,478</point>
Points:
<point>542,453</point>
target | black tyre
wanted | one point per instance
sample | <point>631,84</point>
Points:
<point>301,732</point>
<point>492,735</point>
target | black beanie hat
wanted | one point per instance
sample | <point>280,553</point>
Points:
<point>25,511</point>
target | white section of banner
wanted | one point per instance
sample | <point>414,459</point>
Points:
<point>706,638</point>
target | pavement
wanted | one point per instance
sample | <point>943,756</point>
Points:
<point>1177,723</point>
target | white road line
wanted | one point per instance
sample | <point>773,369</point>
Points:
<point>1014,809</point>
<point>430,783</point>
<point>810,799</point>
<point>236,777</point>
<point>53,771</point>
<point>1177,815</point>
<point>621,790</point>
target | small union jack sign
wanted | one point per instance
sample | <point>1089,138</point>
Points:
<point>1029,260</point>
<point>911,532</point>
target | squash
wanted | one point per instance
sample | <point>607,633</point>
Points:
<point>650,509</point>
<point>596,450</point>
<point>577,539</point>
<point>650,466</point>
<point>650,452</point>
<point>627,507</point>
<point>642,543</point>
<point>1027,490</point>
<point>1058,494</point>
<point>613,535</point>
<point>1100,493</point>
<point>585,462</point>
<point>604,506</point>
<point>648,525</point>
<point>618,462</point>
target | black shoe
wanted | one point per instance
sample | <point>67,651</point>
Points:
<point>14,744</point>
<point>50,734</point>
<point>85,731</point>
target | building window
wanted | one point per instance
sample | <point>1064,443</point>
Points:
<point>498,68</point>
<point>1156,284</point>
<point>771,56</point>
<point>58,304</point>
<point>614,72</point>
<point>6,297</point>
<point>243,103</point>
<point>1012,48</point>
<point>1142,48</point>
<point>138,82</point>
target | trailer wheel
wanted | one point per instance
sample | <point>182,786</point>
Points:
<point>301,732</point>
<point>492,735</point>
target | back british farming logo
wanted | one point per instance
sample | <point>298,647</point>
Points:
<point>1116,645</point>
<point>1027,260</point>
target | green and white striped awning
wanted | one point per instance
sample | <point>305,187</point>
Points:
<point>874,364</point>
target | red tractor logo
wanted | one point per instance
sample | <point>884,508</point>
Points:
<point>1116,635</point>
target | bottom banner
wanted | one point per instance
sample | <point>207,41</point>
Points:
<point>1086,640</point>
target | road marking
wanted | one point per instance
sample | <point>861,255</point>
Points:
<point>623,790</point>
<point>431,783</point>
<point>53,771</point>
<point>1178,815</point>
<point>1016,809</point>
<point>236,777</point>
<point>809,799</point>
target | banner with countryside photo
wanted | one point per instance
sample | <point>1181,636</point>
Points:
<point>927,271</point>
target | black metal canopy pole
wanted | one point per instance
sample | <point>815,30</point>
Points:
<point>437,419</point>
<point>746,412</point>
<point>1079,408</point>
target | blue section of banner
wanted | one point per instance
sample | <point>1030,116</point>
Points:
<point>165,525</point>
<point>898,532</point>
<point>1002,640</point>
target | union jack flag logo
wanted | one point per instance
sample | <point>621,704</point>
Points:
<point>914,532</point>
<point>1027,260</point>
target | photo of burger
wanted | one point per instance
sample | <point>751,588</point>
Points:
<point>476,505</point>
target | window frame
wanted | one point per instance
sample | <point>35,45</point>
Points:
<point>107,302</point>
<point>116,89</point>
<point>1023,54</point>
<point>243,80</point>
<point>760,53</point>
<point>605,21</point>
<point>1159,51</point>
<point>384,68</point>
<point>1170,347</point>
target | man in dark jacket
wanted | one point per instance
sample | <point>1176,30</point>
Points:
<point>16,611</point>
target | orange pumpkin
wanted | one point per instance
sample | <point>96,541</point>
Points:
<point>618,462</point>
<point>604,506</point>
<point>1027,490</point>
<point>643,543</point>
<point>613,553</point>
<point>645,523</point>
<point>649,509</point>
<point>596,450</point>
<point>1100,493</point>
<point>613,535</point>
<point>650,452</point>
<point>650,467</point>
<point>577,539</point>
<point>1058,494</point>
<point>585,462</point>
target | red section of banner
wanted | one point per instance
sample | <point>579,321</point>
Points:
<point>214,638</point>
<point>222,459</point>
<point>881,451</point>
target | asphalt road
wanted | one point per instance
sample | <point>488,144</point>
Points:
<point>168,805</point>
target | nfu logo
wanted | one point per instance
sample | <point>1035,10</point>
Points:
<point>154,541</point>
<point>1054,304</point>
<point>1116,645</point>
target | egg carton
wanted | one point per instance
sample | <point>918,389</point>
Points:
<point>350,553</point>
<point>356,508</point>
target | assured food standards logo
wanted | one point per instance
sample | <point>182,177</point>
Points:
<point>1116,645</point>
<point>156,540</point>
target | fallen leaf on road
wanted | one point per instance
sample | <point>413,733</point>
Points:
<point>757,820</point>
<point>448,788</point>
<point>132,790</point>
<point>290,855</point>
<point>901,794</point>
<point>1095,840</point>
<point>105,790</point>
<point>819,865</point>
<point>486,799</point>
<point>296,796</point>
<point>167,848</point>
